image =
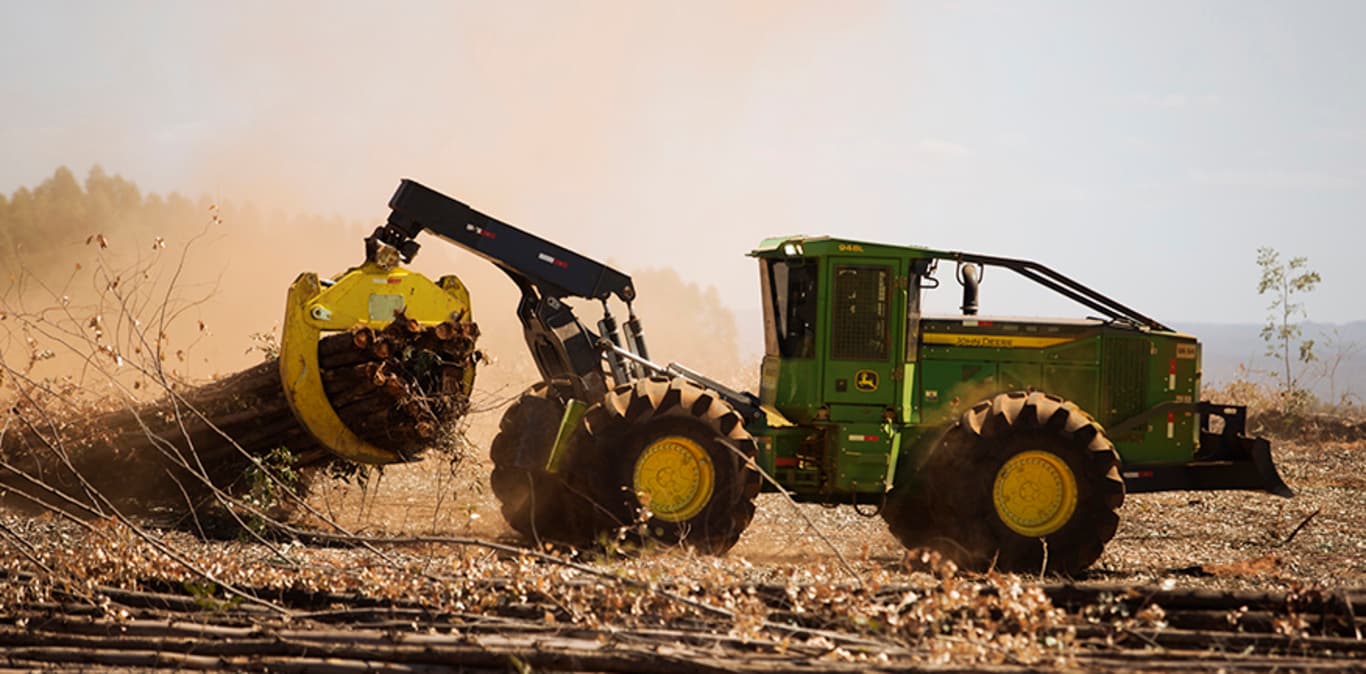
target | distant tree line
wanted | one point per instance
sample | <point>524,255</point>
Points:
<point>61,212</point>
<point>40,226</point>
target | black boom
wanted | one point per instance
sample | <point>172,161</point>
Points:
<point>562,346</point>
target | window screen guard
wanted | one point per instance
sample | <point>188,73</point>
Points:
<point>859,326</point>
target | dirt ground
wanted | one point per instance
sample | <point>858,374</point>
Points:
<point>1230,581</point>
<point>1225,540</point>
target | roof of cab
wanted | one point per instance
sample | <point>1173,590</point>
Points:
<point>807,246</point>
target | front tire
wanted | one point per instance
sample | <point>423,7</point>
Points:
<point>678,464</point>
<point>1024,481</point>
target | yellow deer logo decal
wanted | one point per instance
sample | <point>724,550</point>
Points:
<point>866,381</point>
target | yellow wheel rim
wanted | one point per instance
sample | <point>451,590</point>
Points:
<point>1035,493</point>
<point>674,478</point>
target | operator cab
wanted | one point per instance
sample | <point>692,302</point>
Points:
<point>840,325</point>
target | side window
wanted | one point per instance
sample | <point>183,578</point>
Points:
<point>793,297</point>
<point>913,319</point>
<point>859,328</point>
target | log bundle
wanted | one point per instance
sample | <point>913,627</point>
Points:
<point>398,388</point>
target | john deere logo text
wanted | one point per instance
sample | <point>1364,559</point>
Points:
<point>866,381</point>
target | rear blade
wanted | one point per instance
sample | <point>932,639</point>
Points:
<point>1228,462</point>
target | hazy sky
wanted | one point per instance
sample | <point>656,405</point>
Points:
<point>1147,148</point>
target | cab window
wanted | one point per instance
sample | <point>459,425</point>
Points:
<point>792,298</point>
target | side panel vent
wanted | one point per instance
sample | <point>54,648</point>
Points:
<point>1124,378</point>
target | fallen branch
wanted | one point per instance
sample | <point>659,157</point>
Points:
<point>1296,531</point>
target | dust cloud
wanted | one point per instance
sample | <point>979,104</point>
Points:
<point>641,133</point>
<point>591,124</point>
<point>224,269</point>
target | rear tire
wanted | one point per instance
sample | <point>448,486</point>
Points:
<point>538,505</point>
<point>667,464</point>
<point>1016,475</point>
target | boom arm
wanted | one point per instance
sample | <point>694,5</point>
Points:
<point>558,271</point>
<point>563,348</point>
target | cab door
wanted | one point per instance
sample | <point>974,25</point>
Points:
<point>863,358</point>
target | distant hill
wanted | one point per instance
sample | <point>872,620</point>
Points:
<point>1228,346</point>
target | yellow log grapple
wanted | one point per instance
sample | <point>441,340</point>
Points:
<point>372,295</point>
